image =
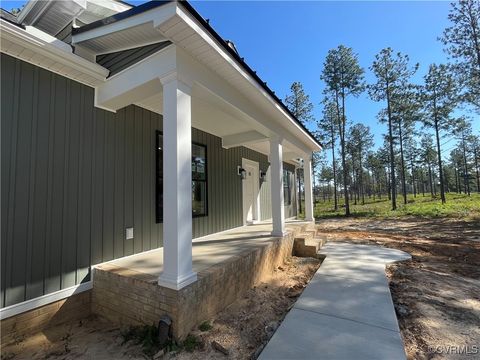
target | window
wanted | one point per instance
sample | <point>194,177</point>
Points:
<point>287,187</point>
<point>199,179</point>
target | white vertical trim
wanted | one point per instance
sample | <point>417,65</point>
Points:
<point>278,211</point>
<point>177,185</point>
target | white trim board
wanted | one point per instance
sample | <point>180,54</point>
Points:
<point>32,304</point>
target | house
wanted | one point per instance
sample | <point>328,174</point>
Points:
<point>126,129</point>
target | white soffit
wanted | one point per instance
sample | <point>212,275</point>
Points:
<point>173,23</point>
<point>39,49</point>
<point>139,35</point>
<point>53,16</point>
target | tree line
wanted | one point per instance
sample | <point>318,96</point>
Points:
<point>406,163</point>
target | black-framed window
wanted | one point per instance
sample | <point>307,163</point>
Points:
<point>287,187</point>
<point>199,179</point>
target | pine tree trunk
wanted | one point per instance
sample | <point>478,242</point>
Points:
<point>465,173</point>
<point>456,181</point>
<point>430,177</point>
<point>334,168</point>
<point>402,162</point>
<point>344,162</point>
<point>440,169</point>
<point>392,157</point>
<point>476,168</point>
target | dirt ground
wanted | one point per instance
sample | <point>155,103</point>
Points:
<point>242,329</point>
<point>437,294</point>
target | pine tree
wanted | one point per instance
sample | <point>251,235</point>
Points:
<point>300,106</point>
<point>393,73</point>
<point>440,98</point>
<point>462,41</point>
<point>328,133</point>
<point>343,77</point>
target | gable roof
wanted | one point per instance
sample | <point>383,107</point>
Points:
<point>120,60</point>
<point>154,4</point>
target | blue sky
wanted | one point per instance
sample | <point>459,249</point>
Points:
<point>287,41</point>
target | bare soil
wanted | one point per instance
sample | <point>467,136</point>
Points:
<point>437,294</point>
<point>242,329</point>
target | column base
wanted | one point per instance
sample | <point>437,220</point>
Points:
<point>310,219</point>
<point>279,233</point>
<point>177,283</point>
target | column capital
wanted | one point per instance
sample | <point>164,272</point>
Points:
<point>276,138</point>
<point>307,157</point>
<point>182,83</point>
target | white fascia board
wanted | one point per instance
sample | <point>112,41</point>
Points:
<point>32,304</point>
<point>155,16</point>
<point>111,5</point>
<point>241,139</point>
<point>196,72</point>
<point>48,38</point>
<point>193,23</point>
<point>43,47</point>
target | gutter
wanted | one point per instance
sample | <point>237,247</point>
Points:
<point>246,67</point>
<point>43,47</point>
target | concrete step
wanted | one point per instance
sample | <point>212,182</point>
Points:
<point>304,245</point>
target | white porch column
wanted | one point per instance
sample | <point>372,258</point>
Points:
<point>276,167</point>
<point>307,171</point>
<point>177,185</point>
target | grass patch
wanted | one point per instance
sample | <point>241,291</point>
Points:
<point>146,335</point>
<point>191,343</point>
<point>457,206</point>
<point>205,326</point>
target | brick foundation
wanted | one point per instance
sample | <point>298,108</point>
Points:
<point>130,298</point>
<point>73,308</point>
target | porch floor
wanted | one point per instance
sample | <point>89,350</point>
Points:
<point>207,251</point>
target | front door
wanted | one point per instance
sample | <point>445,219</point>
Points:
<point>250,189</point>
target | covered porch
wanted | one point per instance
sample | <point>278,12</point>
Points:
<point>227,264</point>
<point>207,251</point>
<point>194,80</point>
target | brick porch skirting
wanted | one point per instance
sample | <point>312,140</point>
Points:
<point>127,297</point>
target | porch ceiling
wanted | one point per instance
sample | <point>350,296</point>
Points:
<point>169,20</point>
<point>213,115</point>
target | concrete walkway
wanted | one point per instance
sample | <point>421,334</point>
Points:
<point>346,311</point>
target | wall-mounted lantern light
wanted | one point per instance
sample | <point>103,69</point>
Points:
<point>263,176</point>
<point>241,172</point>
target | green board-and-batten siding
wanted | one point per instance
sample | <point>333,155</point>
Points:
<point>74,177</point>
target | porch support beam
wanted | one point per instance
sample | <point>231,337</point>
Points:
<point>276,165</point>
<point>241,139</point>
<point>307,170</point>
<point>177,185</point>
